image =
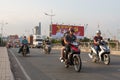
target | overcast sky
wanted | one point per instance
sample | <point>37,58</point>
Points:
<point>23,15</point>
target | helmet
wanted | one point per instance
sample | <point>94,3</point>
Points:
<point>98,31</point>
<point>71,29</point>
<point>24,36</point>
<point>47,37</point>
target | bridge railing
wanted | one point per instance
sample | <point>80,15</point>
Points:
<point>115,46</point>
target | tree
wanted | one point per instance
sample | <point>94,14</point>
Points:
<point>85,39</point>
<point>0,41</point>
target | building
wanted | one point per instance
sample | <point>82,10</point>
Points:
<point>14,40</point>
<point>37,30</point>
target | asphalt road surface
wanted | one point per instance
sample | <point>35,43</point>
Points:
<point>40,66</point>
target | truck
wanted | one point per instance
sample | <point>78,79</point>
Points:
<point>37,41</point>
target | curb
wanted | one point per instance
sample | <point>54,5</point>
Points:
<point>11,73</point>
<point>5,67</point>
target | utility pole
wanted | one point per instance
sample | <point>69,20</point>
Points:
<point>51,16</point>
<point>98,26</point>
<point>112,36</point>
<point>85,28</point>
<point>118,32</point>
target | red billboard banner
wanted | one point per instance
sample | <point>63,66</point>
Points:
<point>59,30</point>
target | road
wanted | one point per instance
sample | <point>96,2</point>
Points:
<point>40,66</point>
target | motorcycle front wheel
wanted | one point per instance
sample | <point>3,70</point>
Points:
<point>106,59</point>
<point>66,63</point>
<point>77,62</point>
<point>24,54</point>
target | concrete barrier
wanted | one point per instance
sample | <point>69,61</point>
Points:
<point>83,49</point>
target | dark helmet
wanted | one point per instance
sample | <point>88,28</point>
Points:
<point>24,36</point>
<point>71,29</point>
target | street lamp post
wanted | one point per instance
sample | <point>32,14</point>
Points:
<point>51,15</point>
<point>2,25</point>
<point>85,29</point>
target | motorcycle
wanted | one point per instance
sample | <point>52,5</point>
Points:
<point>73,57</point>
<point>24,50</point>
<point>103,53</point>
<point>47,48</point>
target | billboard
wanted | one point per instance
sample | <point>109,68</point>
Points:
<point>59,30</point>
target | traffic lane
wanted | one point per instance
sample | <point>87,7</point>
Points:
<point>102,71</point>
<point>88,68</point>
<point>30,64</point>
<point>50,66</point>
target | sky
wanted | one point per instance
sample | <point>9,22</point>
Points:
<point>23,15</point>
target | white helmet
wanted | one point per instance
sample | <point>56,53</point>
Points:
<point>98,31</point>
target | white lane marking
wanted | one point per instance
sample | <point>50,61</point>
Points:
<point>23,70</point>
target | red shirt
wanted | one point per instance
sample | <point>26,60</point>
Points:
<point>97,38</point>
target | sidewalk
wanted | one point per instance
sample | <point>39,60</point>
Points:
<point>5,70</point>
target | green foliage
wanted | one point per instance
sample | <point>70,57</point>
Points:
<point>85,39</point>
<point>2,43</point>
<point>81,40</point>
<point>113,45</point>
<point>55,41</point>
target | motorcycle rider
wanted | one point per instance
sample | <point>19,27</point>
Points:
<point>69,38</point>
<point>46,41</point>
<point>97,38</point>
<point>63,44</point>
<point>24,42</point>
